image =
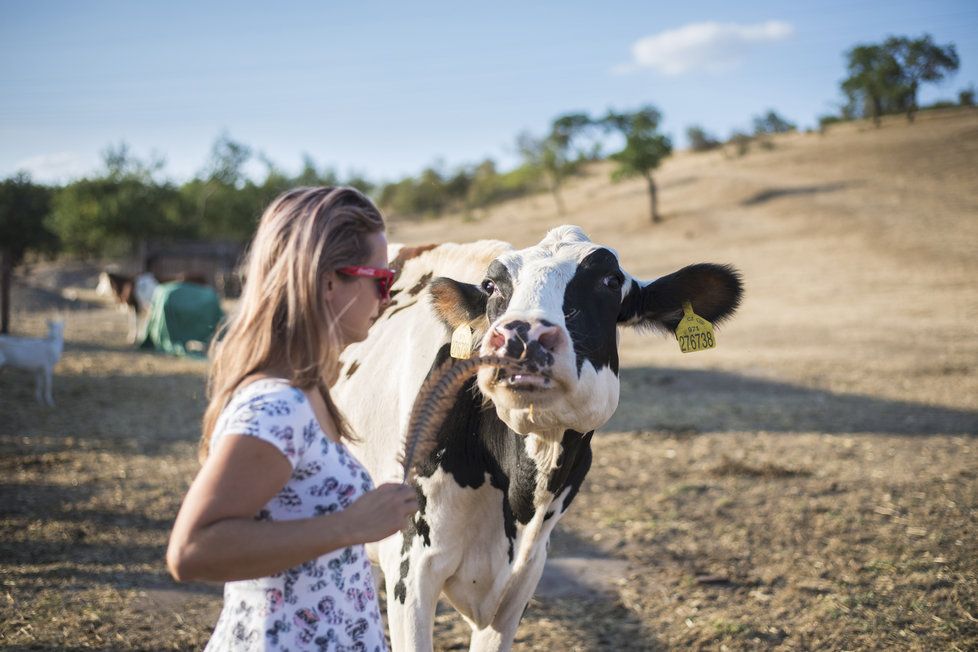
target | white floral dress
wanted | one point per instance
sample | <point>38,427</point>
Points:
<point>327,603</point>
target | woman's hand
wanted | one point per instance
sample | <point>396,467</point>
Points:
<point>380,513</point>
<point>216,536</point>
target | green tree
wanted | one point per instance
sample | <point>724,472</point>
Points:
<point>700,140</point>
<point>919,60</point>
<point>740,142</point>
<point>310,175</point>
<point>120,163</point>
<point>425,196</point>
<point>484,185</point>
<point>556,156</point>
<point>113,213</point>
<point>771,123</point>
<point>225,203</point>
<point>569,131</point>
<point>644,149</point>
<point>23,208</point>
<point>359,180</point>
<point>105,216</point>
<point>227,161</point>
<point>874,82</point>
<point>966,96</point>
<point>457,186</point>
<point>544,156</point>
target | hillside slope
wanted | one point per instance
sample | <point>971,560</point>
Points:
<point>857,247</point>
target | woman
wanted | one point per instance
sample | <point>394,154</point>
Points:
<point>280,509</point>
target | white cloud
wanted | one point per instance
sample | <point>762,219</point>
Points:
<point>713,47</point>
<point>56,167</point>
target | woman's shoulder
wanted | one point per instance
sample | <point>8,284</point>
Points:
<point>267,398</point>
<point>267,388</point>
<point>272,410</point>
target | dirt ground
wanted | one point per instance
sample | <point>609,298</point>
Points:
<point>810,484</point>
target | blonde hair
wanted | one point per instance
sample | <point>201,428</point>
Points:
<point>283,321</point>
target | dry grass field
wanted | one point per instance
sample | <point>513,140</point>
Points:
<point>810,484</point>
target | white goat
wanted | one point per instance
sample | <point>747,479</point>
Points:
<point>39,355</point>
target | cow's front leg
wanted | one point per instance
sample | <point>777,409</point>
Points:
<point>413,587</point>
<point>498,637</point>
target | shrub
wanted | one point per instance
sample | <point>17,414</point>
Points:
<point>700,140</point>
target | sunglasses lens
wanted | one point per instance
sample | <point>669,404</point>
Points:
<point>384,285</point>
<point>384,278</point>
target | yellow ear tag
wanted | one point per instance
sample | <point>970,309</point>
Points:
<point>462,342</point>
<point>694,333</point>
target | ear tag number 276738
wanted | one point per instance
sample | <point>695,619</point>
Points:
<point>694,333</point>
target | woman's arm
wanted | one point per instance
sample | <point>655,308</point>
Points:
<point>216,536</point>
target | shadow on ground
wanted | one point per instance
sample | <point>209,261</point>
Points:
<point>48,539</point>
<point>776,193</point>
<point>144,413</point>
<point>712,401</point>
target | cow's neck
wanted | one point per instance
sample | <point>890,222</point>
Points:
<point>475,446</point>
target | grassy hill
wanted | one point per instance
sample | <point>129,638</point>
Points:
<point>810,484</point>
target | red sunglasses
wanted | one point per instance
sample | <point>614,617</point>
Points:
<point>381,275</point>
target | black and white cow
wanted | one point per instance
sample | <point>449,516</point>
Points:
<point>514,450</point>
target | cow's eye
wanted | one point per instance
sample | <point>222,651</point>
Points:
<point>488,286</point>
<point>612,281</point>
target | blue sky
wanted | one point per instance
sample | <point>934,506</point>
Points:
<point>385,88</point>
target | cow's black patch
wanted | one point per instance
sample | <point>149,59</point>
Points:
<point>400,589</point>
<point>573,465</point>
<point>631,305</point>
<point>474,443</point>
<point>417,527</point>
<point>498,301</point>
<point>538,356</point>
<point>456,303</point>
<point>521,334</point>
<point>713,290</point>
<point>591,307</point>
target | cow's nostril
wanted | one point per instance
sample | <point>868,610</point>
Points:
<point>549,338</point>
<point>497,339</point>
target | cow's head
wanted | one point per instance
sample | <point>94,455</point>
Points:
<point>558,306</point>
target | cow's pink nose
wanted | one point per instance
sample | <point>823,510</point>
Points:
<point>534,342</point>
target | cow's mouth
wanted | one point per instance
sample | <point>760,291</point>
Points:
<point>525,381</point>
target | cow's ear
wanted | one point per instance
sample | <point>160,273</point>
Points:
<point>714,291</point>
<point>457,303</point>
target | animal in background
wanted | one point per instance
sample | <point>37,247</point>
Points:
<point>39,355</point>
<point>133,294</point>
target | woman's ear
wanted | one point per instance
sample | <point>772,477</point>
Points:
<point>329,285</point>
